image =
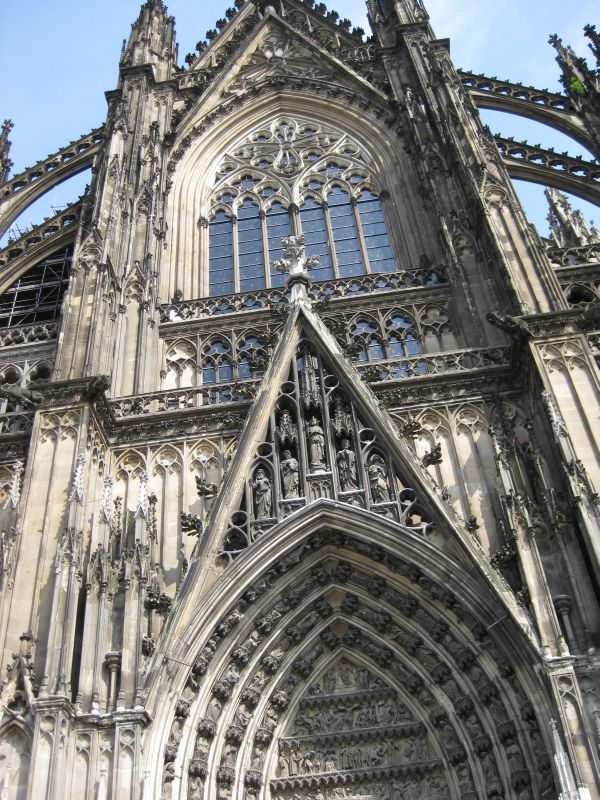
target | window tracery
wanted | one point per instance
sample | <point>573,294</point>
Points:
<point>295,177</point>
<point>397,333</point>
<point>216,359</point>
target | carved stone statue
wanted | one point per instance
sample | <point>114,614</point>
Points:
<point>289,474</point>
<point>346,463</point>
<point>378,480</point>
<point>263,495</point>
<point>316,443</point>
<point>287,432</point>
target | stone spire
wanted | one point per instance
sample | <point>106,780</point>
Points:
<point>594,37</point>
<point>5,162</point>
<point>152,40</point>
<point>581,83</point>
<point>385,15</point>
<point>568,228</point>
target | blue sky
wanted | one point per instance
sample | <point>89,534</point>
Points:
<point>57,59</point>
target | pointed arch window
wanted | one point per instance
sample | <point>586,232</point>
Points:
<point>216,362</point>
<point>327,174</point>
<point>377,241</point>
<point>348,250</point>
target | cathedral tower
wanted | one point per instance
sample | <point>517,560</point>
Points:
<point>300,464</point>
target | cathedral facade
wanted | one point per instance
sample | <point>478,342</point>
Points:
<point>300,459</point>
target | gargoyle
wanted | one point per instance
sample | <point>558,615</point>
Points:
<point>97,385</point>
<point>516,327</point>
<point>19,394</point>
<point>433,456</point>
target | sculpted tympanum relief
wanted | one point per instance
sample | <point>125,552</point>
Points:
<point>352,737</point>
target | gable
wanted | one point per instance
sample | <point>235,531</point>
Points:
<point>273,51</point>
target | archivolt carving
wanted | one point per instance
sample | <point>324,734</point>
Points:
<point>345,672</point>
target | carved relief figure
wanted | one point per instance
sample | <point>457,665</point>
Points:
<point>316,442</point>
<point>263,496</point>
<point>289,474</point>
<point>378,481</point>
<point>346,463</point>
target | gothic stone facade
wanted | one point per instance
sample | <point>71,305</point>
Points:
<point>300,439</point>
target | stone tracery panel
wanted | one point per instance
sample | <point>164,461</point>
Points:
<point>317,447</point>
<point>289,175</point>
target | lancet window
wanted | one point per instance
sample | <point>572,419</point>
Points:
<point>295,178</point>
<point>38,294</point>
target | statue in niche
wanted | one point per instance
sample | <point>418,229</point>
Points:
<point>346,673</point>
<point>346,463</point>
<point>263,495</point>
<point>287,432</point>
<point>377,471</point>
<point>289,474</point>
<point>309,386</point>
<point>316,445</point>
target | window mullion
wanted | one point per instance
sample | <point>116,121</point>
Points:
<point>361,236</point>
<point>334,261</point>
<point>265,246</point>
<point>294,212</point>
<point>236,254</point>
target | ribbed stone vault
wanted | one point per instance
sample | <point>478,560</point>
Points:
<point>346,670</point>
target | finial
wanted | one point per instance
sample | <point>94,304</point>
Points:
<point>297,265</point>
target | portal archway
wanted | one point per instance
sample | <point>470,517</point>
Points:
<point>354,663</point>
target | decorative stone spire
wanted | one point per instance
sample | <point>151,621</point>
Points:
<point>152,40</point>
<point>297,265</point>
<point>77,485</point>
<point>5,162</point>
<point>14,495</point>
<point>594,37</point>
<point>568,787</point>
<point>568,228</point>
<point>581,83</point>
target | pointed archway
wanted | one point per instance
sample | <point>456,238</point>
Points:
<point>355,661</point>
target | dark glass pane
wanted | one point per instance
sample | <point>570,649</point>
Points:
<point>377,241</point>
<point>220,274</point>
<point>314,228</point>
<point>250,245</point>
<point>345,235</point>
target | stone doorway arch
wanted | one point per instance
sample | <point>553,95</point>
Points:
<point>447,701</point>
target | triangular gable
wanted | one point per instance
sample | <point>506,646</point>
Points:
<point>316,431</point>
<point>273,49</point>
